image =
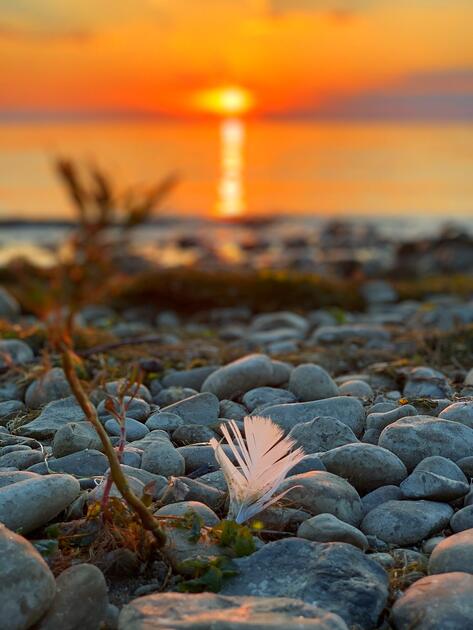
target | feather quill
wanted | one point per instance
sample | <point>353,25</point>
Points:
<point>264,461</point>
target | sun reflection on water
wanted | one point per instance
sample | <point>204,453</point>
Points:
<point>231,201</point>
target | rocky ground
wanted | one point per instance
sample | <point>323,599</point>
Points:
<point>376,533</point>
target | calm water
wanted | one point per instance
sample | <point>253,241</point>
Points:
<point>316,169</point>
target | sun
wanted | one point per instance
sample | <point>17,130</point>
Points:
<point>225,101</point>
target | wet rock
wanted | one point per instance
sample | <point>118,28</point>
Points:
<point>365,466</point>
<point>27,586</point>
<point>81,600</point>
<point>436,602</point>
<point>29,504</point>
<point>406,522</point>
<point>171,611</point>
<point>321,492</point>
<point>455,553</point>
<point>335,576</point>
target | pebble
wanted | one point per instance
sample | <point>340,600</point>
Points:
<point>193,378</point>
<point>353,333</point>
<point>14,352</point>
<point>74,437</point>
<point>192,434</point>
<point>424,382</point>
<point>135,408</point>
<point>134,430</point>
<point>81,600</point>
<point>459,412</point>
<point>9,409</point>
<point>356,388</point>
<point>311,382</point>
<point>335,576</point>
<point>379,496</point>
<point>322,434</point>
<point>29,504</point>
<point>87,463</point>
<point>52,385</point>
<point>455,553</point>
<point>365,466</point>
<point>436,602</point>
<point>27,586</point>
<point>406,522</point>
<point>53,416</point>
<point>265,396</point>
<point>199,409</point>
<point>345,409</point>
<point>435,478</point>
<point>328,528</point>
<point>162,458</point>
<point>321,492</point>
<point>232,410</point>
<point>238,377</point>
<point>171,395</point>
<point>414,438</point>
<point>462,520</point>
<point>187,611</point>
<point>21,459</point>
<point>164,420</point>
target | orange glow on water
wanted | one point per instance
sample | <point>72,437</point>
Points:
<point>231,201</point>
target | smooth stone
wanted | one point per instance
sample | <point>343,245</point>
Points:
<point>173,611</point>
<point>265,396</point>
<point>74,437</point>
<point>459,412</point>
<point>162,458</point>
<point>137,390</point>
<point>322,434</point>
<point>321,492</point>
<point>81,600</point>
<point>308,464</point>
<point>232,410</point>
<point>335,576</point>
<point>9,409</point>
<point>52,417</point>
<point>11,390</point>
<point>97,493</point>
<point>7,478</point>
<point>466,466</point>
<point>88,463</point>
<point>27,586</point>
<point>436,602</point>
<point>356,388</point>
<point>14,352</point>
<point>269,338</point>
<point>414,438</point>
<point>345,409</point>
<point>134,430</point>
<point>199,409</point>
<point>146,478</point>
<point>171,395</point>
<point>280,319</point>
<point>50,386</point>
<point>424,382</point>
<point>455,553</point>
<point>311,382</point>
<point>164,420</point>
<point>198,457</point>
<point>435,478</point>
<point>429,545</point>
<point>328,528</point>
<point>462,520</point>
<point>254,370</point>
<point>192,434</point>
<point>360,333</point>
<point>187,489</point>
<point>21,459</point>
<point>193,378</point>
<point>365,466</point>
<point>406,522</point>
<point>132,456</point>
<point>29,504</point>
<point>379,496</point>
<point>135,408</point>
<point>381,419</point>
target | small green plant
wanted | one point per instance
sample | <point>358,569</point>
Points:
<point>209,574</point>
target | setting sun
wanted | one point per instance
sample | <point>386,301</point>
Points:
<point>226,101</point>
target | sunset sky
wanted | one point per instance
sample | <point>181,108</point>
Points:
<point>296,58</point>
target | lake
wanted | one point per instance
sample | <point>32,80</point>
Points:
<point>256,167</point>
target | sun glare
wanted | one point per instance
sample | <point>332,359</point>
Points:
<point>225,101</point>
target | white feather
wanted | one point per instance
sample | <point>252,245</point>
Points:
<point>264,461</point>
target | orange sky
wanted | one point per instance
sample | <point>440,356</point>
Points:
<point>296,57</point>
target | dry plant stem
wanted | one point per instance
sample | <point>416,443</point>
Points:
<point>147,519</point>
